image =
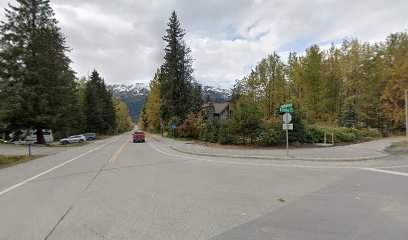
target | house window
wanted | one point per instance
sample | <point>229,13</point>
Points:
<point>224,115</point>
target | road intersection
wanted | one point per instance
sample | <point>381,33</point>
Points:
<point>115,189</point>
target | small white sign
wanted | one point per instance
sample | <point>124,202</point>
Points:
<point>287,118</point>
<point>290,126</point>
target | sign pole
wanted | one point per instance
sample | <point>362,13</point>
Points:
<point>287,109</point>
<point>29,149</point>
<point>287,135</point>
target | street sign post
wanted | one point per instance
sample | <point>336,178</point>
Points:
<point>287,118</point>
<point>288,126</point>
<point>173,127</point>
<point>286,108</point>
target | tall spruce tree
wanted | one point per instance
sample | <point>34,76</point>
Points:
<point>100,113</point>
<point>177,81</point>
<point>35,68</point>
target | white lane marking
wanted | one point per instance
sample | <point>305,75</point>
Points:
<point>282,158</point>
<point>286,165</point>
<point>51,169</point>
<point>251,164</point>
<point>390,167</point>
<point>385,171</point>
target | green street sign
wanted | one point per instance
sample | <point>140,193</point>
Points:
<point>286,108</point>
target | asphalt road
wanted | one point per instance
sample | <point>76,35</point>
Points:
<point>115,189</point>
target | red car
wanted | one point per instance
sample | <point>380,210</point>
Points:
<point>138,137</point>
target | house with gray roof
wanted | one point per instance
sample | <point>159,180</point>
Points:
<point>218,110</point>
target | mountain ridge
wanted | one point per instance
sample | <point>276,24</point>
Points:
<point>135,95</point>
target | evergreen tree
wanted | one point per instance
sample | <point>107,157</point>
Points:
<point>177,81</point>
<point>349,115</point>
<point>100,113</point>
<point>35,68</point>
<point>196,98</point>
<point>246,120</point>
<point>3,111</point>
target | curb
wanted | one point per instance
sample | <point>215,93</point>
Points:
<point>282,158</point>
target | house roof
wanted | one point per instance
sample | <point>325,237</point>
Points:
<point>219,107</point>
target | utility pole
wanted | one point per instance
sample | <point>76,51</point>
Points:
<point>406,114</point>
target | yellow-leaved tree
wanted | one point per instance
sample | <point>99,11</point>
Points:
<point>151,113</point>
<point>123,121</point>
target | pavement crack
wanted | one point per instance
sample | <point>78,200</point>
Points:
<point>95,232</point>
<point>79,197</point>
<point>63,176</point>
<point>138,165</point>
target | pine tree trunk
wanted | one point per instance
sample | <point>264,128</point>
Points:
<point>40,136</point>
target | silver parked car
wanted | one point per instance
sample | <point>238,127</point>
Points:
<point>73,139</point>
<point>90,136</point>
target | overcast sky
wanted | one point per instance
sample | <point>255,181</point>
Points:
<point>123,39</point>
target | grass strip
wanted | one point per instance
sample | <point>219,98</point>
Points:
<point>8,161</point>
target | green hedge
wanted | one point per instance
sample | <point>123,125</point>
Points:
<point>269,133</point>
<point>315,133</point>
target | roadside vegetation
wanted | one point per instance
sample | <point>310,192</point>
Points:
<point>55,144</point>
<point>38,88</point>
<point>8,161</point>
<point>354,91</point>
<point>400,144</point>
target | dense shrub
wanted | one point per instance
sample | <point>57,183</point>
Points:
<point>371,132</point>
<point>272,132</point>
<point>210,131</point>
<point>225,135</point>
<point>315,133</point>
<point>191,127</point>
<point>246,121</point>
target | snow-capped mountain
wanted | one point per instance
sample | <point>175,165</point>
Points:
<point>135,95</point>
<point>133,89</point>
<point>216,94</point>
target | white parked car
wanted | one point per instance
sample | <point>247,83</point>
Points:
<point>73,139</point>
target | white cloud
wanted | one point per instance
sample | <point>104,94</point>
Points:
<point>122,39</point>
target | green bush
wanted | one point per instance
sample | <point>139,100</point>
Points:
<point>315,133</point>
<point>224,134</point>
<point>371,132</point>
<point>269,137</point>
<point>210,131</point>
<point>272,132</point>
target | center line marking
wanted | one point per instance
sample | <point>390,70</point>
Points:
<point>117,153</point>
